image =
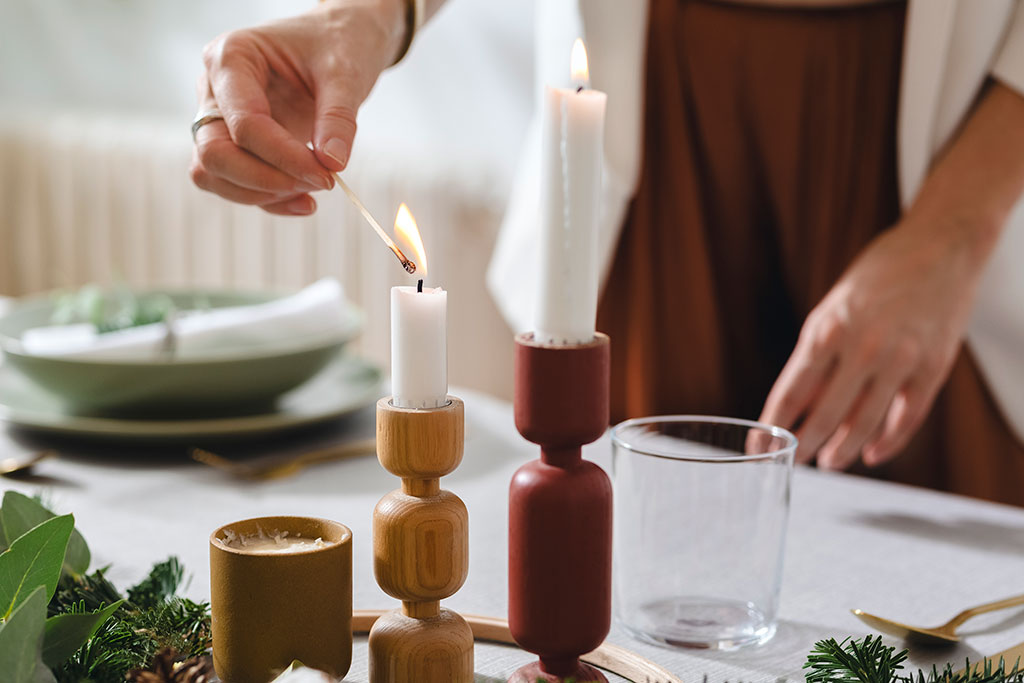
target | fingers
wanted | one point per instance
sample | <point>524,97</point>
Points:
<point>217,155</point>
<point>335,125</point>
<point>302,205</point>
<point>908,410</point>
<point>831,409</point>
<point>844,446</point>
<point>294,205</point>
<point>799,382</point>
<point>237,75</point>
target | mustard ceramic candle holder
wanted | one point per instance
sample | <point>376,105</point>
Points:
<point>281,590</point>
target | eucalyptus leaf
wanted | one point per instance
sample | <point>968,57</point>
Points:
<point>21,642</point>
<point>20,513</point>
<point>65,633</point>
<point>33,560</point>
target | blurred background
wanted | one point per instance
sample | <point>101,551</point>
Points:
<point>96,99</point>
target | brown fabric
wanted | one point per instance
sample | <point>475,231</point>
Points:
<point>769,164</point>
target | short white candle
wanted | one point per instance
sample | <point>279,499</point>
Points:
<point>419,332</point>
<point>571,163</point>
<point>419,348</point>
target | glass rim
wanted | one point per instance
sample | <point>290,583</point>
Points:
<point>779,432</point>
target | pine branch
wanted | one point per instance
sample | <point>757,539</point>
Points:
<point>151,619</point>
<point>853,661</point>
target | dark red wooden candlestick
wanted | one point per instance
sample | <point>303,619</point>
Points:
<point>560,511</point>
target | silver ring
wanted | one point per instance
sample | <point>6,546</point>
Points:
<point>203,118</point>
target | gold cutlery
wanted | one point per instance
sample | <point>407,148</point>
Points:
<point>278,468</point>
<point>19,464</point>
<point>944,634</point>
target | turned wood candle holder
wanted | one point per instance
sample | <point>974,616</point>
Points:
<point>420,549</point>
<point>560,511</point>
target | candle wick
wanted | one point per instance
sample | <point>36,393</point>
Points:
<point>579,88</point>
<point>419,286</point>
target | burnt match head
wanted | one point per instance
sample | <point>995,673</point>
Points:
<point>409,266</point>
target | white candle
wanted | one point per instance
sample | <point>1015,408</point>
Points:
<point>419,348</point>
<point>571,163</point>
<point>419,334</point>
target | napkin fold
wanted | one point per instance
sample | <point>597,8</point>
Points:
<point>317,314</point>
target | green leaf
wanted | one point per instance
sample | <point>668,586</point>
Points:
<point>65,633</point>
<point>20,513</point>
<point>33,560</point>
<point>21,642</point>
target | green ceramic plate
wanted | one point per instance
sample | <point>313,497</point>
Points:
<point>237,381</point>
<point>344,386</point>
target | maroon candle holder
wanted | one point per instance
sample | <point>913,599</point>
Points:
<point>560,511</point>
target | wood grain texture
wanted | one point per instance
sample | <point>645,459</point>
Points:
<point>420,545</point>
<point>420,549</point>
<point>404,649</point>
<point>612,658</point>
<point>420,444</point>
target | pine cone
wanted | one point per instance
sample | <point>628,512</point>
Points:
<point>166,669</point>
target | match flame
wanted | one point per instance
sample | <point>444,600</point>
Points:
<point>409,235</point>
<point>578,62</point>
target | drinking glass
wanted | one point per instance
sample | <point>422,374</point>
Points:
<point>701,505</point>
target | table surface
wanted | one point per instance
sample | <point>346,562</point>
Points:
<point>915,555</point>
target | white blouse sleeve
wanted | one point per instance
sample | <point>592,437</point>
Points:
<point>1009,64</point>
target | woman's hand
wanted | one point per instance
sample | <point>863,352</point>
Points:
<point>282,85</point>
<point>874,352</point>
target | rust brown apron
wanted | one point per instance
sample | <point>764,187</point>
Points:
<point>769,163</point>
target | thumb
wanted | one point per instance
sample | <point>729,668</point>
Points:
<point>335,126</point>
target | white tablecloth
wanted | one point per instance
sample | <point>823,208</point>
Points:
<point>911,554</point>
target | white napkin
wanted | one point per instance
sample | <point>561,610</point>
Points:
<point>317,314</point>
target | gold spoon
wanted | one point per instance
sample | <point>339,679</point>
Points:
<point>939,635</point>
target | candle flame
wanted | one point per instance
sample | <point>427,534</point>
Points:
<point>409,235</point>
<point>578,63</point>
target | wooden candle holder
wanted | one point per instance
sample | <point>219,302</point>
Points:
<point>420,549</point>
<point>560,511</point>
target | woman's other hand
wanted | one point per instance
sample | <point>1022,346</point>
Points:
<point>284,84</point>
<point>874,352</point>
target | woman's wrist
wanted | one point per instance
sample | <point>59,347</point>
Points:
<point>387,17</point>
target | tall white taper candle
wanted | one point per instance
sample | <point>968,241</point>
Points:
<point>571,163</point>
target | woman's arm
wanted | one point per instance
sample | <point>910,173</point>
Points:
<point>287,83</point>
<point>875,351</point>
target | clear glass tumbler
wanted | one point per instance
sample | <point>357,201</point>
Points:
<point>701,505</point>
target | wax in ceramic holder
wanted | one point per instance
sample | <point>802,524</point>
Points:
<point>560,511</point>
<point>275,600</point>
<point>420,548</point>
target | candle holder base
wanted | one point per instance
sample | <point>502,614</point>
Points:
<point>437,649</point>
<point>534,673</point>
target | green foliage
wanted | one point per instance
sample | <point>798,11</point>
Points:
<point>66,633</point>
<point>33,560</point>
<point>160,586</point>
<point>93,634</point>
<point>111,311</point>
<point>986,672</point>
<point>870,661</point>
<point>21,641</point>
<point>20,513</point>
<point>151,618</point>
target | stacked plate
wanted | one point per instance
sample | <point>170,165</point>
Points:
<point>245,363</point>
